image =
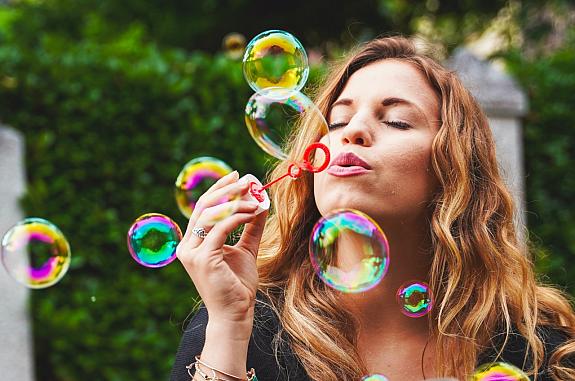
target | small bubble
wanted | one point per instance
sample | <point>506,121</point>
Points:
<point>153,239</point>
<point>498,371</point>
<point>36,253</point>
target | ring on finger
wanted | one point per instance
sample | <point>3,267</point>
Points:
<point>199,232</point>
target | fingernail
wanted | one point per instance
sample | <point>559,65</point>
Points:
<point>233,174</point>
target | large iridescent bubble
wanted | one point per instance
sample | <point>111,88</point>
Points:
<point>270,118</point>
<point>498,371</point>
<point>415,299</point>
<point>36,253</point>
<point>153,239</point>
<point>195,178</point>
<point>349,251</point>
<point>275,59</point>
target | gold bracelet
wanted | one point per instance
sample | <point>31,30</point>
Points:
<point>250,375</point>
<point>199,372</point>
<point>205,376</point>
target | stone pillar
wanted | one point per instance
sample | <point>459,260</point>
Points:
<point>504,103</point>
<point>16,355</point>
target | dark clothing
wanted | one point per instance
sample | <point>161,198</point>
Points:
<point>266,324</point>
<point>261,355</point>
<point>516,348</point>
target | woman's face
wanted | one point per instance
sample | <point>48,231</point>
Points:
<point>381,130</point>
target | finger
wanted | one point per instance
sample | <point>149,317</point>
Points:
<point>213,207</point>
<point>210,216</point>
<point>219,233</point>
<point>227,193</point>
<point>227,179</point>
<point>230,178</point>
<point>252,234</point>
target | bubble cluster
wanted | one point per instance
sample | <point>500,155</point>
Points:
<point>152,240</point>
<point>415,299</point>
<point>374,377</point>
<point>271,114</point>
<point>36,253</point>
<point>275,59</point>
<point>195,178</point>
<point>349,251</point>
<point>498,371</point>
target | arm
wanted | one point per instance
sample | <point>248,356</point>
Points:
<point>226,346</point>
<point>225,276</point>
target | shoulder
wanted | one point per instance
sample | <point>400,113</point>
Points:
<point>268,352</point>
<point>512,349</point>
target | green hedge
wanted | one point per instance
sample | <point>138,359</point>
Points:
<point>549,140</point>
<point>108,126</point>
<point>110,120</point>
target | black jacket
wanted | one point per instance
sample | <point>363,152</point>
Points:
<point>261,354</point>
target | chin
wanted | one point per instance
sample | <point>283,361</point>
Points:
<point>344,202</point>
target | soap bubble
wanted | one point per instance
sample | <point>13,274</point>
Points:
<point>349,251</point>
<point>233,45</point>
<point>498,371</point>
<point>36,253</point>
<point>152,240</point>
<point>197,176</point>
<point>415,299</point>
<point>270,119</point>
<point>275,59</point>
<point>374,377</point>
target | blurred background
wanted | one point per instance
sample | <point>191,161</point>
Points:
<point>112,98</point>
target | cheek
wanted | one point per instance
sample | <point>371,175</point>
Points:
<point>319,193</point>
<point>414,161</point>
<point>411,168</point>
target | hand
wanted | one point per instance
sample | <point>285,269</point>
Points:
<point>225,276</point>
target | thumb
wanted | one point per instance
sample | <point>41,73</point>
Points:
<point>252,234</point>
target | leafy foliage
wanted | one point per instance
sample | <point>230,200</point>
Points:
<point>108,126</point>
<point>550,153</point>
<point>111,112</point>
<point>201,24</point>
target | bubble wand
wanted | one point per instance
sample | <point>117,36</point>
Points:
<point>294,171</point>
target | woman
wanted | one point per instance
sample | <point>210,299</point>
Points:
<point>429,177</point>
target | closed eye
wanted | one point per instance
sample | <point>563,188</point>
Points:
<point>398,124</point>
<point>393,123</point>
<point>335,126</point>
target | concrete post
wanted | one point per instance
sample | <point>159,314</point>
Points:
<point>504,103</point>
<point>16,355</point>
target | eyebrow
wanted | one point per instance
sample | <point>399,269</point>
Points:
<point>390,101</point>
<point>386,102</point>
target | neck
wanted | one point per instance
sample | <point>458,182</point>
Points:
<point>386,337</point>
<point>410,259</point>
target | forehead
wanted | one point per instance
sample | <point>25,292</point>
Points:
<point>392,78</point>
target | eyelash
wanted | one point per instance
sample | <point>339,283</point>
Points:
<point>336,125</point>
<point>395,123</point>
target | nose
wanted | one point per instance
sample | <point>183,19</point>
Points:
<point>356,132</point>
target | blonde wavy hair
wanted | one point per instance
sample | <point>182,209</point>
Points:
<point>481,275</point>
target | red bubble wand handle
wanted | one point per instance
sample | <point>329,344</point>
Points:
<point>294,170</point>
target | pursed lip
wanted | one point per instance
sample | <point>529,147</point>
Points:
<point>348,164</point>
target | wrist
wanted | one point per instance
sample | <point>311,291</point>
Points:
<point>226,347</point>
<point>230,331</point>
